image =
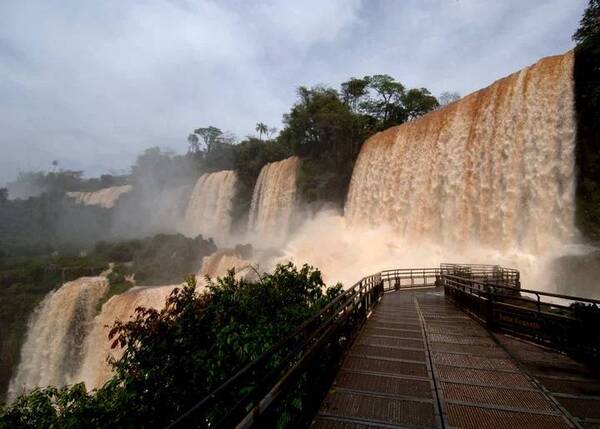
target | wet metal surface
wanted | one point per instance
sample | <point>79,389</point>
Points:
<point>421,362</point>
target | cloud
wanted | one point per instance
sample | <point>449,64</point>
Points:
<point>94,83</point>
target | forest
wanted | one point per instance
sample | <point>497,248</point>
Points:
<point>47,238</point>
<point>326,127</point>
<point>165,368</point>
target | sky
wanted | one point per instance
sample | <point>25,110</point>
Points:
<point>94,83</point>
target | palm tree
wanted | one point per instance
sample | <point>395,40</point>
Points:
<point>261,128</point>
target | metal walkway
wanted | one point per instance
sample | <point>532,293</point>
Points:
<point>420,361</point>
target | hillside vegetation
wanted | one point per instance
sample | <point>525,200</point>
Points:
<point>24,282</point>
<point>177,355</point>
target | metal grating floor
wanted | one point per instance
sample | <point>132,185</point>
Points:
<point>420,362</point>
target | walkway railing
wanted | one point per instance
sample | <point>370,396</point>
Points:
<point>298,370</point>
<point>410,278</point>
<point>284,386</point>
<point>565,323</point>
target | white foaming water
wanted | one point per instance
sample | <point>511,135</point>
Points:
<point>495,168</point>
<point>209,208</point>
<point>95,369</point>
<point>346,253</point>
<point>53,350</point>
<point>106,197</point>
<point>488,179</point>
<point>273,202</point>
<point>218,263</point>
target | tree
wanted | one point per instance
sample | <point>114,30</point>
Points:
<point>210,135</point>
<point>354,90</point>
<point>389,94</point>
<point>587,103</point>
<point>193,144</point>
<point>261,128</point>
<point>589,26</point>
<point>3,195</point>
<point>447,97</point>
<point>54,165</point>
<point>418,101</point>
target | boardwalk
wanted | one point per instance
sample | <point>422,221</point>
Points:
<point>421,362</point>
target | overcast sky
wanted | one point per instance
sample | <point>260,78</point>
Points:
<point>93,83</point>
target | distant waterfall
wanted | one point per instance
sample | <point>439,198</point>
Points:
<point>273,200</point>
<point>217,264</point>
<point>106,197</point>
<point>209,208</point>
<point>95,369</point>
<point>495,168</point>
<point>53,349</point>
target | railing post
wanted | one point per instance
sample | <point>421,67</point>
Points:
<point>490,309</point>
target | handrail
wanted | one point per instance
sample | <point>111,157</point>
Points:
<point>489,292</point>
<point>336,309</point>
<point>532,291</point>
<point>567,328</point>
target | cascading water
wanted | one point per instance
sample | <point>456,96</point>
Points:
<point>273,201</point>
<point>95,369</point>
<point>217,265</point>
<point>53,349</point>
<point>209,208</point>
<point>106,198</point>
<point>487,178</point>
<point>494,168</point>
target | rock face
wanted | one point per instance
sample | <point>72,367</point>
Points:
<point>494,168</point>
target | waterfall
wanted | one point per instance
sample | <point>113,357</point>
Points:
<point>95,369</point>
<point>221,261</point>
<point>494,168</point>
<point>273,200</point>
<point>209,208</point>
<point>149,211</point>
<point>106,197</point>
<point>53,349</point>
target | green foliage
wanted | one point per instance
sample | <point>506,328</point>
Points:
<point>157,169</point>
<point>167,258</point>
<point>324,127</point>
<point>261,128</point>
<point>328,135</point>
<point>118,283</point>
<point>175,356</point>
<point>158,260</point>
<point>163,259</point>
<point>589,26</point>
<point>35,183</point>
<point>40,225</point>
<point>587,93</point>
<point>249,157</point>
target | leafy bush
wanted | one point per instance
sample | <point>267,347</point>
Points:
<point>176,356</point>
<point>24,282</point>
<point>587,96</point>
